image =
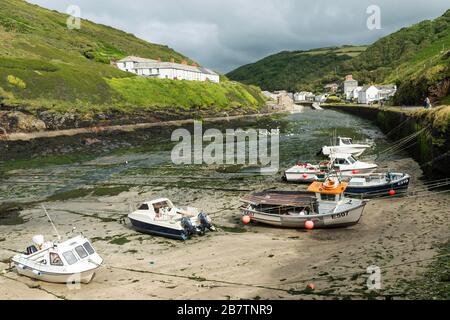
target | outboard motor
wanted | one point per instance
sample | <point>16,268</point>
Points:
<point>204,222</point>
<point>187,226</point>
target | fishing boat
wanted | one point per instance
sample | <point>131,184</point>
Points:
<point>345,164</point>
<point>323,205</point>
<point>379,184</point>
<point>160,217</point>
<point>345,145</point>
<point>71,261</point>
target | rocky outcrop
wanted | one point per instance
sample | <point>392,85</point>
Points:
<point>16,121</point>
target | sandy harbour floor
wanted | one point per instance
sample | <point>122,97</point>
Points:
<point>399,235</point>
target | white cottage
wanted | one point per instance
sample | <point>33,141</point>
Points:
<point>166,70</point>
<point>350,85</point>
<point>303,96</point>
<point>368,94</point>
<point>356,93</point>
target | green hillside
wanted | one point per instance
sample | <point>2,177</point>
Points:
<point>43,64</point>
<point>297,70</point>
<point>416,58</point>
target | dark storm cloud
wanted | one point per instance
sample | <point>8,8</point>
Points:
<point>228,33</point>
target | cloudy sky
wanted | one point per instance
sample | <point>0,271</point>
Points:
<point>225,34</point>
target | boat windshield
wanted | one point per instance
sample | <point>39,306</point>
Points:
<point>89,248</point>
<point>70,257</point>
<point>81,252</point>
<point>351,160</point>
<point>327,197</point>
<point>161,205</point>
<point>347,141</point>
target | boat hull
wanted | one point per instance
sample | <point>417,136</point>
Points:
<point>158,230</point>
<point>398,186</point>
<point>303,177</point>
<point>83,277</point>
<point>336,220</point>
<point>357,172</point>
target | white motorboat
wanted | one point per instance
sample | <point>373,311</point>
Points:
<point>345,145</point>
<point>324,204</point>
<point>160,217</point>
<point>345,164</point>
<point>71,261</point>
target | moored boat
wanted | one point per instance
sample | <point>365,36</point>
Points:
<point>323,204</point>
<point>307,172</point>
<point>379,184</point>
<point>160,217</point>
<point>345,145</point>
<point>71,261</point>
<point>345,164</point>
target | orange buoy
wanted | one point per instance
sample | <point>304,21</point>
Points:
<point>392,193</point>
<point>246,219</point>
<point>311,286</point>
<point>309,225</point>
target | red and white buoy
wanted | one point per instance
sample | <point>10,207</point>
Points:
<point>392,193</point>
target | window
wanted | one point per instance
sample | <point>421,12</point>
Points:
<point>70,257</point>
<point>346,141</point>
<point>351,160</point>
<point>55,260</point>
<point>144,207</point>
<point>81,252</point>
<point>328,197</point>
<point>89,248</point>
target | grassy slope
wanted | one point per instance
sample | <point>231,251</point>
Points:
<point>298,70</point>
<point>416,58</point>
<point>187,94</point>
<point>44,64</point>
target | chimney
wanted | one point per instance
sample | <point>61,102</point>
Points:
<point>194,64</point>
<point>172,60</point>
<point>349,77</point>
<point>159,59</point>
<point>184,62</point>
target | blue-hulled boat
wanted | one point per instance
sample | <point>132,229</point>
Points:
<point>160,217</point>
<point>378,184</point>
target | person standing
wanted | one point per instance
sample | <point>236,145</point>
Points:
<point>428,103</point>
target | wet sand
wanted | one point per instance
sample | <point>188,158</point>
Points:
<point>237,262</point>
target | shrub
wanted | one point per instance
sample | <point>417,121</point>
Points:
<point>334,99</point>
<point>15,81</point>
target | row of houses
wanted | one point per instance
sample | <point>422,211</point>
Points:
<point>166,70</point>
<point>364,94</point>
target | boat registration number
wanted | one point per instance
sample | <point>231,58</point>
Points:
<point>339,215</point>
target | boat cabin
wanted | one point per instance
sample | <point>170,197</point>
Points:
<point>157,208</point>
<point>343,159</point>
<point>328,191</point>
<point>345,141</point>
<point>61,254</point>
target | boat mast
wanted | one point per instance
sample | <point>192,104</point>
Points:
<point>51,221</point>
